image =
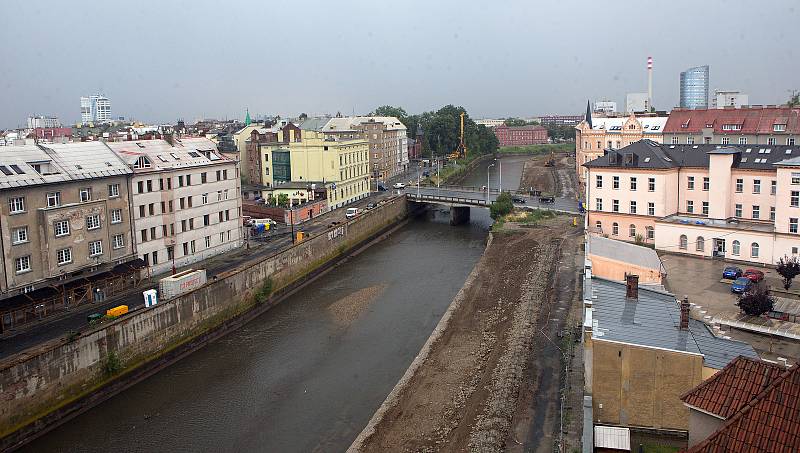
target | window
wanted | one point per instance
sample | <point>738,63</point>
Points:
<point>742,140</point>
<point>19,235</point>
<point>116,216</point>
<point>155,257</point>
<point>651,184</point>
<point>86,194</point>
<point>772,213</point>
<point>188,180</point>
<point>182,203</point>
<point>95,248</point>
<point>180,181</point>
<point>651,208</point>
<point>191,223</point>
<point>736,248</point>
<point>726,141</point>
<point>599,226</point>
<point>221,238</point>
<point>615,182</point>
<point>705,208</point>
<point>700,244</point>
<point>189,201</point>
<point>53,199</point>
<point>690,183</point>
<point>754,250</point>
<point>599,144</point>
<point>632,230</point>
<point>208,242</point>
<point>790,141</point>
<point>119,241</point>
<point>206,220</point>
<point>144,235</point>
<point>61,228</point>
<point>113,190</point>
<point>16,205</point>
<point>737,210</point>
<point>633,207</point>
<point>674,140</point>
<point>795,179</point>
<point>599,181</point>
<point>205,198</point>
<point>739,185</point>
<point>183,225</point>
<point>224,174</point>
<point>771,141</point>
<point>756,186</point>
<point>706,183</point>
<point>140,187</point>
<point>22,264</point>
<point>149,185</point>
<point>204,175</point>
<point>151,209</point>
<point>651,233</point>
<point>64,256</point>
<point>756,211</point>
<point>141,210</point>
<point>615,229</point>
<point>170,252</point>
<point>615,205</point>
<point>793,225</point>
<point>690,140</point>
<point>779,127</point>
<point>598,204</point>
<point>794,200</point>
<point>185,248</point>
<point>682,242</point>
<point>690,206</point>
<point>93,222</point>
<point>773,187</point>
<point>633,183</point>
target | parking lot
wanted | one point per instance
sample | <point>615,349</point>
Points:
<point>699,279</point>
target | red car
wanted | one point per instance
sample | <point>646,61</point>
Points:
<point>754,275</point>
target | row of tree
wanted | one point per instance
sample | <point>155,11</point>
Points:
<point>441,130</point>
<point>555,132</point>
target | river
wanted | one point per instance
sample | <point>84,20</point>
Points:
<point>308,374</point>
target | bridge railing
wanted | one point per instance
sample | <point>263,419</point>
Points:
<point>464,200</point>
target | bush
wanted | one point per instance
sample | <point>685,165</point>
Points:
<point>264,291</point>
<point>502,206</point>
<point>756,301</point>
<point>788,268</point>
<point>112,364</point>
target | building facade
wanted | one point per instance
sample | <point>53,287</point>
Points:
<point>65,215</point>
<point>95,109</point>
<point>186,201</point>
<point>754,125</point>
<point>729,98</point>
<point>739,202</point>
<point>694,84</point>
<point>595,134</point>
<point>519,136</point>
<point>607,107</point>
<point>560,120</point>
<point>43,122</point>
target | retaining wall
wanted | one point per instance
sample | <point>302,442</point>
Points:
<point>40,389</point>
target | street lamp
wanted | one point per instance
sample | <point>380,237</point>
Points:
<point>487,183</point>
<point>419,172</point>
<point>438,178</point>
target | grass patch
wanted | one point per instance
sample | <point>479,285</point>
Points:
<point>538,149</point>
<point>264,291</point>
<point>498,224</point>
<point>530,217</point>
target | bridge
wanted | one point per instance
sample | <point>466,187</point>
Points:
<point>461,198</point>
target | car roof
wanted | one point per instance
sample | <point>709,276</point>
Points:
<point>743,279</point>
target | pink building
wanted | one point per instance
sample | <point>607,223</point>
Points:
<point>734,201</point>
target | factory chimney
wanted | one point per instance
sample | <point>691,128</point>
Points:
<point>649,83</point>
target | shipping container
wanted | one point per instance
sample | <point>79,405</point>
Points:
<point>119,310</point>
<point>182,282</point>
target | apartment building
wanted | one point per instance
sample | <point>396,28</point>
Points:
<point>740,202</point>
<point>65,214</point>
<point>186,201</point>
<point>753,125</point>
<point>595,134</point>
<point>268,157</point>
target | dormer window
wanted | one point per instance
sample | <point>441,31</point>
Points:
<point>142,162</point>
<point>685,124</point>
<point>731,127</point>
<point>779,128</point>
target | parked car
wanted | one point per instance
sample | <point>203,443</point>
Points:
<point>399,185</point>
<point>754,275</point>
<point>426,173</point>
<point>381,187</point>
<point>741,285</point>
<point>732,272</point>
<point>547,199</point>
<point>352,212</point>
<point>518,199</point>
<point>371,205</point>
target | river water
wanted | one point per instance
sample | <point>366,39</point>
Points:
<point>308,374</point>
<point>512,172</point>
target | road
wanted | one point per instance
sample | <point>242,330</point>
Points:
<point>561,203</point>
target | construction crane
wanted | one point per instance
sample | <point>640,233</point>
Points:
<point>461,151</point>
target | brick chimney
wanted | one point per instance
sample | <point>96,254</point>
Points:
<point>631,286</point>
<point>685,313</point>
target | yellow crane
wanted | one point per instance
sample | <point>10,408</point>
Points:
<point>461,151</point>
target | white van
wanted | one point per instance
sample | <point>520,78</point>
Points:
<point>352,212</point>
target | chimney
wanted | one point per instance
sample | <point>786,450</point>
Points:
<point>631,286</point>
<point>685,313</point>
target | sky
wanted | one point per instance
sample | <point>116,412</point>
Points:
<point>159,61</point>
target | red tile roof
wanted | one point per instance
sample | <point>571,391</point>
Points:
<point>733,387</point>
<point>752,120</point>
<point>769,423</point>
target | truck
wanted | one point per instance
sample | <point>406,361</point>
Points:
<point>180,283</point>
<point>119,310</point>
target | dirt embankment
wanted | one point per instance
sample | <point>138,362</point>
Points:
<point>463,394</point>
<point>559,179</point>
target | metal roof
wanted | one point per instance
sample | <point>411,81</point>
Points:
<point>186,152</point>
<point>87,160</point>
<point>624,251</point>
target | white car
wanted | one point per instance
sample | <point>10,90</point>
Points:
<point>352,212</point>
<point>399,185</point>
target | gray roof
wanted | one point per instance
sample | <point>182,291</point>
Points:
<point>653,320</point>
<point>314,124</point>
<point>624,251</point>
<point>649,154</point>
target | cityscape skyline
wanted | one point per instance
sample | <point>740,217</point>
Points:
<point>530,61</point>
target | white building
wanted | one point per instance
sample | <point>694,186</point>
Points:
<point>729,98</point>
<point>95,108</point>
<point>605,106</point>
<point>637,103</point>
<point>186,201</point>
<point>489,122</point>
<point>43,122</point>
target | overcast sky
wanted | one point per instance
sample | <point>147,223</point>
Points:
<point>162,60</point>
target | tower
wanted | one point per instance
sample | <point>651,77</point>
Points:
<point>649,83</point>
<point>247,120</point>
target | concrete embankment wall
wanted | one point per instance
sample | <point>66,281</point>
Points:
<point>41,388</point>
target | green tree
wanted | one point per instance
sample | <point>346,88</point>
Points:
<point>794,100</point>
<point>514,122</point>
<point>283,200</point>
<point>756,301</point>
<point>389,110</point>
<point>503,205</point>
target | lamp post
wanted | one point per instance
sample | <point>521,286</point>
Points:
<point>438,178</point>
<point>419,172</point>
<point>487,183</point>
<point>291,220</point>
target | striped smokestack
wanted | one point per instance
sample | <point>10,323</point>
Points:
<point>649,82</point>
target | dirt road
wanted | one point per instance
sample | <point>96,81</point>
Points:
<point>463,394</point>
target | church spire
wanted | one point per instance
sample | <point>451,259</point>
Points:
<point>247,120</point>
<point>588,114</point>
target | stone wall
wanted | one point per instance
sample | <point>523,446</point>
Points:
<point>41,388</point>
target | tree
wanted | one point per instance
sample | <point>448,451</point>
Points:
<point>388,110</point>
<point>271,200</point>
<point>303,117</point>
<point>794,101</point>
<point>756,301</point>
<point>788,268</point>
<point>283,200</point>
<point>503,205</point>
<point>514,122</point>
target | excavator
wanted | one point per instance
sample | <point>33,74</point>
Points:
<point>461,151</point>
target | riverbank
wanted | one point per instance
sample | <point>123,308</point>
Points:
<point>65,378</point>
<point>461,391</point>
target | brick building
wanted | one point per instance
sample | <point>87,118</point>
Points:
<point>520,135</point>
<point>753,125</point>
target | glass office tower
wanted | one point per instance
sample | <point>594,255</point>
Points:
<point>694,88</point>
